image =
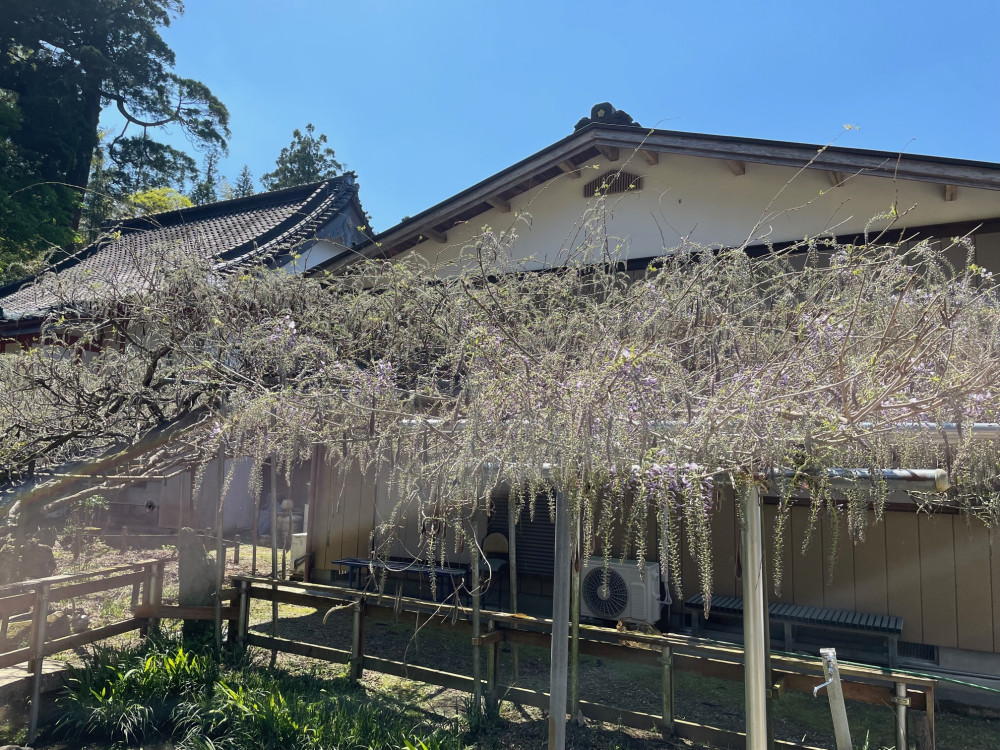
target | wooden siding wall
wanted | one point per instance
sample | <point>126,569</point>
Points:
<point>940,573</point>
<point>175,500</point>
<point>353,504</point>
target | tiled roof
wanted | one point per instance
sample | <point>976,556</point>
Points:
<point>233,233</point>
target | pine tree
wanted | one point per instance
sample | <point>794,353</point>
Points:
<point>244,184</point>
<point>305,160</point>
<point>206,190</point>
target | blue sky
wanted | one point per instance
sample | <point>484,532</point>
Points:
<point>424,99</point>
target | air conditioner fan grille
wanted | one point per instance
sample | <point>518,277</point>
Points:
<point>605,597</point>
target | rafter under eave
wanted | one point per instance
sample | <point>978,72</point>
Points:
<point>611,153</point>
<point>570,168</point>
<point>738,168</point>
<point>836,178</point>
<point>501,205</point>
<point>435,235</point>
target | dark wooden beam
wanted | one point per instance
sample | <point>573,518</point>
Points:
<point>738,168</point>
<point>611,153</point>
<point>570,168</point>
<point>324,653</point>
<point>168,612</point>
<point>652,157</point>
<point>951,193</point>
<point>499,204</point>
<point>435,235</point>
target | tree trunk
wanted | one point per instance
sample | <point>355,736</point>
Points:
<point>79,175</point>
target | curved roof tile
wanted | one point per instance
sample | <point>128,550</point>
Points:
<point>233,233</point>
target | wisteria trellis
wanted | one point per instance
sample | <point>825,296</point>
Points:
<point>637,397</point>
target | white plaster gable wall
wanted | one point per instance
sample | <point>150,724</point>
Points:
<point>700,200</point>
<point>340,234</point>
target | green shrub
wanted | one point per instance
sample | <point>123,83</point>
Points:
<point>161,690</point>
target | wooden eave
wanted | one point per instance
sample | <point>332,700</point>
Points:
<point>593,141</point>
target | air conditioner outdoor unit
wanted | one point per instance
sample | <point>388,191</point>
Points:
<point>623,591</point>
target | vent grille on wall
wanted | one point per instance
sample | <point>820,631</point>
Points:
<point>612,182</point>
<point>920,651</point>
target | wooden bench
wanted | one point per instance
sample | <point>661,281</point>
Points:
<point>356,567</point>
<point>794,616</point>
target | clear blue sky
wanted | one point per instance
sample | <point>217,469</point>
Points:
<point>423,99</point>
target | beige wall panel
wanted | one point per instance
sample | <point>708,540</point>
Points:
<point>973,585</point>
<point>724,544</point>
<point>807,568</point>
<point>689,569</point>
<point>871,585</point>
<point>937,579</point>
<point>988,251</point>
<point>784,592</point>
<point>353,500</point>
<point>175,494</point>
<point>391,529</point>
<point>902,554</point>
<point>838,564</point>
<point>329,520</point>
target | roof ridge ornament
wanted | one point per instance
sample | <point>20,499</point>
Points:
<point>606,114</point>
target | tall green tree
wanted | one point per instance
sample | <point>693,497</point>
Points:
<point>306,159</point>
<point>62,62</point>
<point>206,190</point>
<point>244,184</point>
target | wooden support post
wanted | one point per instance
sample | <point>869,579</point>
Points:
<point>477,684</point>
<point>667,660</point>
<point>492,654</point>
<point>512,571</point>
<point>156,590</point>
<point>233,628</point>
<point>123,539</point>
<point>835,693</point>
<point>286,542</point>
<point>220,550</point>
<point>574,614</point>
<point>358,643</point>
<point>768,672</point>
<point>136,591</point>
<point>754,640</point>
<point>38,624</point>
<point>559,656</point>
<point>243,625</point>
<point>274,551</point>
<point>3,632</point>
<point>254,535</point>
<point>236,551</point>
<point>147,590</point>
